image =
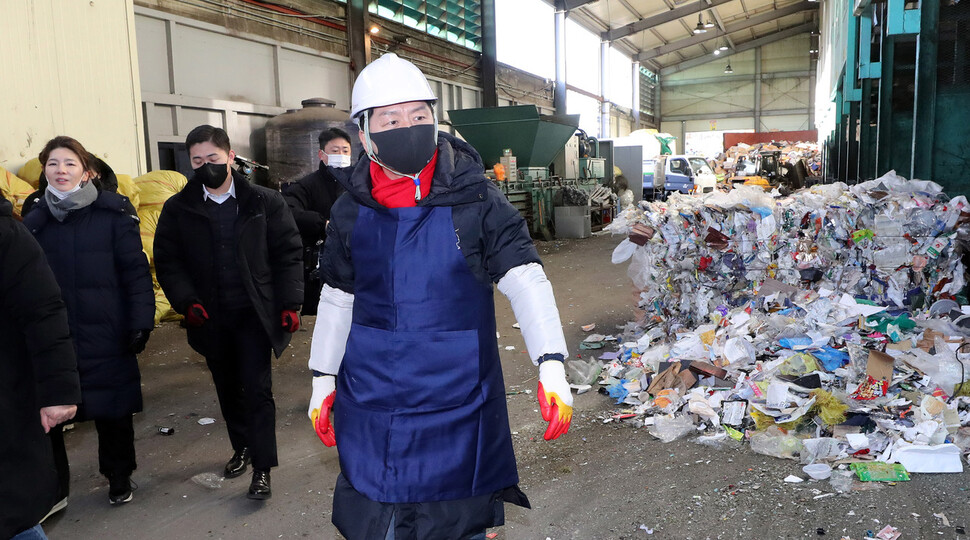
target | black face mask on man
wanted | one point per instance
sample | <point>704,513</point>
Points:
<point>212,175</point>
<point>406,150</point>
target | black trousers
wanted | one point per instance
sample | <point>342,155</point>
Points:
<point>116,450</point>
<point>240,362</point>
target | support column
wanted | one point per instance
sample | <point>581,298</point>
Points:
<point>358,38</point>
<point>866,146</point>
<point>604,82</point>
<point>636,95</point>
<point>489,62</point>
<point>884,127</point>
<point>852,142</point>
<point>559,98</point>
<point>812,81</point>
<point>757,90</point>
<point>924,107</point>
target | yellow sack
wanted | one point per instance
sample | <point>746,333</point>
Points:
<point>31,172</point>
<point>156,187</point>
<point>128,188</point>
<point>14,190</point>
<point>147,225</point>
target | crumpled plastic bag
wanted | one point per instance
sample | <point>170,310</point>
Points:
<point>776,443</point>
<point>671,428</point>
<point>580,371</point>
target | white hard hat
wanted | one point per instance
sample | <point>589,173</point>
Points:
<point>388,80</point>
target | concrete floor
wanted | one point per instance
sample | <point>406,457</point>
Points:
<point>601,480</point>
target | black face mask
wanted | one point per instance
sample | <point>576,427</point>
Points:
<point>212,175</point>
<point>406,150</point>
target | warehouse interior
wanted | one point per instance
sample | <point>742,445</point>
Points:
<point>813,106</point>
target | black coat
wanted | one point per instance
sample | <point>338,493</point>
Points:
<point>37,369</point>
<point>269,256</point>
<point>96,255</point>
<point>493,237</point>
<point>310,199</point>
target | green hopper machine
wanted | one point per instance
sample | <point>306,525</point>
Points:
<point>526,143</point>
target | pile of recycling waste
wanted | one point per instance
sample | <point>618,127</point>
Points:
<point>827,326</point>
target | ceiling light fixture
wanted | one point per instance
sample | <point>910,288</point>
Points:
<point>723,47</point>
<point>709,24</point>
<point>374,29</point>
<point>699,29</point>
<point>728,69</point>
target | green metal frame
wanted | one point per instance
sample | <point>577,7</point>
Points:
<point>901,21</point>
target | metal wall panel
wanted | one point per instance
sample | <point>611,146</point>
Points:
<point>304,75</point>
<point>153,55</point>
<point>196,72</point>
<point>70,69</point>
<point>788,93</point>
<point>709,98</point>
<point>212,65</point>
<point>785,123</point>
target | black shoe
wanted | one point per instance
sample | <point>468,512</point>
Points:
<point>120,488</point>
<point>237,465</point>
<point>259,487</point>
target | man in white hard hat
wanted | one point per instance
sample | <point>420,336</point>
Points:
<point>404,352</point>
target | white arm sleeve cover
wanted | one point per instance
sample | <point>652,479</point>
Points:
<point>334,315</point>
<point>534,305</point>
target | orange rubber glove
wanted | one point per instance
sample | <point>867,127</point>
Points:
<point>555,399</point>
<point>321,406</point>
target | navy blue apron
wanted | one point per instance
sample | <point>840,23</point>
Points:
<point>420,410</point>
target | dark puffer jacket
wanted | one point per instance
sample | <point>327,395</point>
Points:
<point>269,255</point>
<point>37,369</point>
<point>97,258</point>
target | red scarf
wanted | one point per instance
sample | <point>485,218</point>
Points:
<point>399,193</point>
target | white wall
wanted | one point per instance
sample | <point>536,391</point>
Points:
<point>70,68</point>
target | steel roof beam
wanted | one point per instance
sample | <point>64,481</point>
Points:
<point>686,10</point>
<point>570,5</point>
<point>746,46</point>
<point>697,39</point>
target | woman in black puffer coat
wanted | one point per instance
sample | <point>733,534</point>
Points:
<point>93,245</point>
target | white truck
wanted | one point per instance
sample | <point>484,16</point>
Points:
<point>681,173</point>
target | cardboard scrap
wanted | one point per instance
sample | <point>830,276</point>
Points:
<point>880,366</point>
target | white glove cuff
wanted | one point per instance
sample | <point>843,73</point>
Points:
<point>534,305</point>
<point>335,313</point>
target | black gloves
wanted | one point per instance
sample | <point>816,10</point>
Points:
<point>137,340</point>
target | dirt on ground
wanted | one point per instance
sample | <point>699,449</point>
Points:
<point>605,479</point>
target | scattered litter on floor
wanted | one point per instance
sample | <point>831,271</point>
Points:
<point>829,326</point>
<point>206,421</point>
<point>209,480</point>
